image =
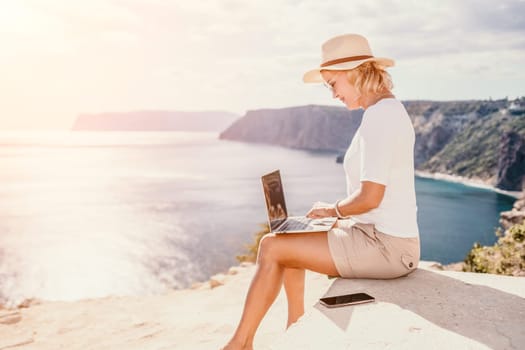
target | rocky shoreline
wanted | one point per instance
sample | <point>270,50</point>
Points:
<point>480,183</point>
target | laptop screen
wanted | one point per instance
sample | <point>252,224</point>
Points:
<point>274,196</point>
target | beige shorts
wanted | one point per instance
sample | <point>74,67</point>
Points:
<point>360,251</point>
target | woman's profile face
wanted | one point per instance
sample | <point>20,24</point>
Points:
<point>341,88</point>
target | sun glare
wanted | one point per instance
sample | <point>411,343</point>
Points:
<point>15,17</point>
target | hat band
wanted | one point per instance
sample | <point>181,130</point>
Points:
<point>346,59</point>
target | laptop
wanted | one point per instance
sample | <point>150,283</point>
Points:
<point>278,219</point>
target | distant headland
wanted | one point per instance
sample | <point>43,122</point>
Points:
<point>155,120</point>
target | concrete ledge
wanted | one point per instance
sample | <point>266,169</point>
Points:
<point>428,309</point>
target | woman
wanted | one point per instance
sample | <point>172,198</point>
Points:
<point>376,235</point>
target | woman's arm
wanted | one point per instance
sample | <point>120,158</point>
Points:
<point>367,197</point>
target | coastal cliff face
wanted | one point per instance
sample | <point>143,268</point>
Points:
<point>438,123</point>
<point>511,163</point>
<point>474,139</point>
<point>307,127</point>
<point>482,140</point>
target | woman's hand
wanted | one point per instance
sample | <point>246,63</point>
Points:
<point>321,210</point>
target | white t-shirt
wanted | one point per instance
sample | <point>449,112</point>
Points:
<point>382,151</point>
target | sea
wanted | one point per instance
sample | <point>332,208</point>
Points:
<point>94,214</point>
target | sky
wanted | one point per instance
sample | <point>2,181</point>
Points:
<point>60,58</point>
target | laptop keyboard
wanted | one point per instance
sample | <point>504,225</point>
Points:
<point>295,224</point>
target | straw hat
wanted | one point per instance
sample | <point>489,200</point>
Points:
<point>344,52</point>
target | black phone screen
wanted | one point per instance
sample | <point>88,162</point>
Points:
<point>347,299</point>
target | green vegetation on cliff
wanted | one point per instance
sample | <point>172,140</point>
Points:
<point>475,152</point>
<point>506,257</point>
<point>253,248</point>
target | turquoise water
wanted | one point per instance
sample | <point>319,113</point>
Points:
<point>95,214</point>
<point>453,216</point>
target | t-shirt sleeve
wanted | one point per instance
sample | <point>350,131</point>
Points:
<point>377,141</point>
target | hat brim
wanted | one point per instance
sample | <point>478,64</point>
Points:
<point>314,75</point>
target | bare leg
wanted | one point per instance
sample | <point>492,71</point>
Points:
<point>294,287</point>
<point>275,254</point>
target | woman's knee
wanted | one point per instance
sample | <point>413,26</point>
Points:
<point>266,248</point>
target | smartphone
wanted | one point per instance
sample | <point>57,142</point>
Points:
<point>347,299</point>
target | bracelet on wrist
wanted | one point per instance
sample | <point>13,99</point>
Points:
<point>337,212</point>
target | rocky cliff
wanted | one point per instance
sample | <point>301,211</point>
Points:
<point>483,140</point>
<point>473,139</point>
<point>511,162</point>
<point>307,127</point>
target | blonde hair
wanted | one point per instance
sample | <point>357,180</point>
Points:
<point>370,78</point>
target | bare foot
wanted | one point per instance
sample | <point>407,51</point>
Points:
<point>234,345</point>
<point>294,318</point>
